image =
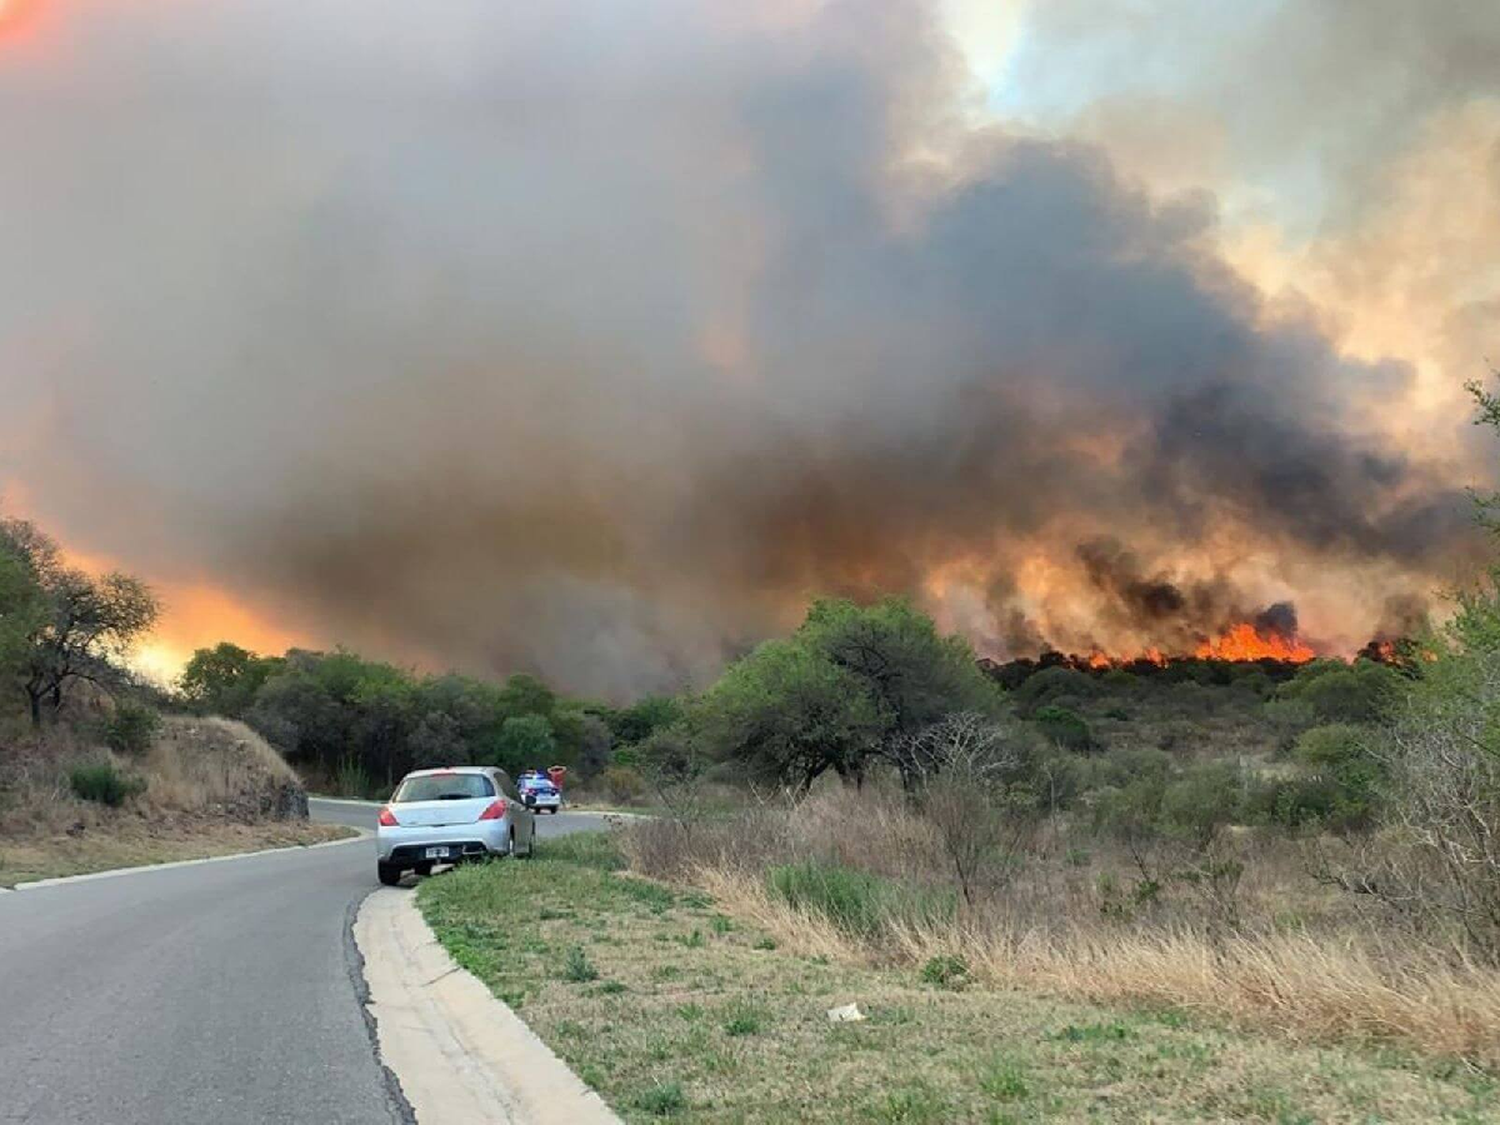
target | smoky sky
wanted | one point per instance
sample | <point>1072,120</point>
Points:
<point>595,339</point>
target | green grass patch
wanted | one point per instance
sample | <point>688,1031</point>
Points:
<point>858,903</point>
<point>665,1099</point>
<point>946,971</point>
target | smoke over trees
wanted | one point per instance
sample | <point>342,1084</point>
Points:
<point>596,344</point>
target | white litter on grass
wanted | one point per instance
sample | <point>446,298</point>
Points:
<point>849,1013</point>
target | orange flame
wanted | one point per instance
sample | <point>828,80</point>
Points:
<point>1243,642</point>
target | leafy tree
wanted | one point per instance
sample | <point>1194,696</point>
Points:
<point>525,742</point>
<point>438,741</point>
<point>915,674</point>
<point>644,717</point>
<point>22,605</point>
<point>224,680</point>
<point>787,714</point>
<point>526,695</point>
<point>84,627</point>
<point>383,702</point>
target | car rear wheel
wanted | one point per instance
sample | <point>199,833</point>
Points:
<point>389,873</point>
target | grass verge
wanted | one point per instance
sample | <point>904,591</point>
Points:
<point>141,844</point>
<point>672,1007</point>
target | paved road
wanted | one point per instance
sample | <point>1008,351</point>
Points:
<point>213,994</point>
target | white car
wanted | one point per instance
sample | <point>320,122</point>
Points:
<point>450,815</point>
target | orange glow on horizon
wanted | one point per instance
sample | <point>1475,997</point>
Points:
<point>194,615</point>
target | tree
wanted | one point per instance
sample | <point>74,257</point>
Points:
<point>913,675</point>
<point>22,605</point>
<point>383,703</point>
<point>86,627</point>
<point>527,695</point>
<point>786,714</point>
<point>644,717</point>
<point>224,680</point>
<point>525,742</point>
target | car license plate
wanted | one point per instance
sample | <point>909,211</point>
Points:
<point>437,853</point>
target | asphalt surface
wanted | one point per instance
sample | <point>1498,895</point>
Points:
<point>212,994</point>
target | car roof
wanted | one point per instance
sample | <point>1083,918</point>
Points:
<point>436,770</point>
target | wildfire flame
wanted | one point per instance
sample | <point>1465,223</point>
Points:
<point>1244,642</point>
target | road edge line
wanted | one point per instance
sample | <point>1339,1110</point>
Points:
<point>145,868</point>
<point>458,1052</point>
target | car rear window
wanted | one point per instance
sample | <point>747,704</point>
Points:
<point>444,787</point>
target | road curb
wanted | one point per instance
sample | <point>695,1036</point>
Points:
<point>461,1056</point>
<point>147,868</point>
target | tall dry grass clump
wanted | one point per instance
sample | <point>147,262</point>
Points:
<point>192,767</point>
<point>1300,960</point>
<point>220,765</point>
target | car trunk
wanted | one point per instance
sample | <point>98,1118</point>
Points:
<point>423,814</point>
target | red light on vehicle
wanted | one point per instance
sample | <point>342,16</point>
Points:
<point>387,818</point>
<point>495,811</point>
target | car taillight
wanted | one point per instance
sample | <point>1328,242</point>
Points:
<point>387,818</point>
<point>495,811</point>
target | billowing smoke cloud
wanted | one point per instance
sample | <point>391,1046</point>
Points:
<point>594,340</point>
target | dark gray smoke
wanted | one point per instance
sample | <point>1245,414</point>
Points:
<point>594,340</point>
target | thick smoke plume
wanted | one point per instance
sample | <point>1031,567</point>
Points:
<point>595,339</point>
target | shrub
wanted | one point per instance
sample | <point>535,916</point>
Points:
<point>858,903</point>
<point>946,971</point>
<point>104,784</point>
<point>1339,761</point>
<point>1055,687</point>
<point>577,968</point>
<point>1064,727</point>
<point>623,784</point>
<point>132,728</point>
<point>1340,693</point>
<point>662,1100</point>
<point>744,1019</point>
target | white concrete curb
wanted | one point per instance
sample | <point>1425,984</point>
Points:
<point>461,1056</point>
<point>147,868</point>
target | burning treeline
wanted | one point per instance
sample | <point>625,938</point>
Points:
<point>1265,642</point>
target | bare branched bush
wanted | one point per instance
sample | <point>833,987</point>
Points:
<point>970,793</point>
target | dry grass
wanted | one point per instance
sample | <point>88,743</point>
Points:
<point>690,1011</point>
<point>213,787</point>
<point>137,841</point>
<point>1303,961</point>
<point>1304,986</point>
<point>218,764</point>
